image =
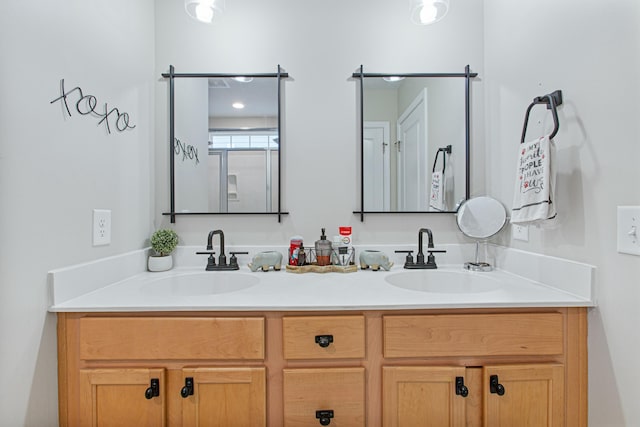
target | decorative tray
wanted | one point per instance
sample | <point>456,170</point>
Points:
<point>313,268</point>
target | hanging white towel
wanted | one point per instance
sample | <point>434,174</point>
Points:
<point>533,199</point>
<point>436,201</point>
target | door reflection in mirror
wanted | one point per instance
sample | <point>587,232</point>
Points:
<point>405,121</point>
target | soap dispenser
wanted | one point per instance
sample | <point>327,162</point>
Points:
<point>323,250</point>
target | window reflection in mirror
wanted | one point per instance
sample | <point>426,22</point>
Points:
<point>408,124</point>
<point>226,145</point>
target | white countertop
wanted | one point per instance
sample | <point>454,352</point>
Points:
<point>120,284</point>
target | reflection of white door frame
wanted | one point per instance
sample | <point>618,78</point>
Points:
<point>377,182</point>
<point>412,166</point>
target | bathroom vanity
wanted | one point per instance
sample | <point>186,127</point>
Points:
<point>392,368</point>
<point>361,349</point>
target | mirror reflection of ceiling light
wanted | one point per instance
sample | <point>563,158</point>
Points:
<point>425,12</point>
<point>392,78</point>
<point>243,79</point>
<point>203,10</point>
<point>238,105</point>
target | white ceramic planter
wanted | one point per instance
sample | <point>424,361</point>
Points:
<point>160,263</point>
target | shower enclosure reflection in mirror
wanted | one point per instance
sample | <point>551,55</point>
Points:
<point>225,143</point>
<point>414,141</point>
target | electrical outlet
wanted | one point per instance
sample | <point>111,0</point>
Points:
<point>101,227</point>
<point>520,232</point>
<point>629,230</point>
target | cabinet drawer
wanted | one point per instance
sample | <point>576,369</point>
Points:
<point>172,338</point>
<point>340,390</point>
<point>473,335</point>
<point>323,337</point>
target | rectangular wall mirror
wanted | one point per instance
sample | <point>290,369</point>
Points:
<point>414,141</point>
<point>225,143</point>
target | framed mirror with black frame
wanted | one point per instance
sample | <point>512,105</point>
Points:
<point>414,141</point>
<point>225,143</point>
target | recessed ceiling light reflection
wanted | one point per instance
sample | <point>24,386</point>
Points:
<point>243,79</point>
<point>238,105</point>
<point>392,78</point>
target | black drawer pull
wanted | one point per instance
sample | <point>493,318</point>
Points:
<point>324,416</point>
<point>324,340</point>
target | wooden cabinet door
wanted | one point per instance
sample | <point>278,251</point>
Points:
<point>336,395</point>
<point>530,395</point>
<point>422,397</point>
<point>224,397</point>
<point>119,398</point>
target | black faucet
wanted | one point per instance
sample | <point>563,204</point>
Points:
<point>431,259</point>
<point>222,258</point>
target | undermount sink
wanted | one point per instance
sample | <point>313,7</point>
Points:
<point>200,283</point>
<point>444,282</point>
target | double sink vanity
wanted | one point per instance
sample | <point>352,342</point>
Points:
<point>190,347</point>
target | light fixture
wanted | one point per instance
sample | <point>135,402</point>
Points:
<point>238,105</point>
<point>392,78</point>
<point>424,12</point>
<point>203,10</point>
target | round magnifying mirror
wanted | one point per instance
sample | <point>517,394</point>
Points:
<point>481,217</point>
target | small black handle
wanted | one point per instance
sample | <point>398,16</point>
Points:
<point>495,386</point>
<point>324,416</point>
<point>205,253</point>
<point>153,390</point>
<point>187,390</point>
<point>233,261</point>
<point>461,389</point>
<point>409,259</point>
<point>324,340</point>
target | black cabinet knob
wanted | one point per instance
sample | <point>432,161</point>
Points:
<point>153,390</point>
<point>324,416</point>
<point>187,390</point>
<point>324,340</point>
<point>495,386</point>
<point>461,389</point>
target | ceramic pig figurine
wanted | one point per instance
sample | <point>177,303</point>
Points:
<point>265,260</point>
<point>375,260</point>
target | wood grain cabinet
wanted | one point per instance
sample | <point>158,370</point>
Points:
<point>500,369</point>
<point>396,368</point>
<point>116,397</point>
<point>324,396</point>
<point>324,391</point>
<point>510,395</point>
<point>161,370</point>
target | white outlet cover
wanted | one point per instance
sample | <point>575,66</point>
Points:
<point>629,230</point>
<point>101,227</point>
<point>520,232</point>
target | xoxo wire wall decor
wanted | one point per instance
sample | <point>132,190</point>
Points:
<point>88,105</point>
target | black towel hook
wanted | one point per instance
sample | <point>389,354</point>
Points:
<point>552,100</point>
<point>445,150</point>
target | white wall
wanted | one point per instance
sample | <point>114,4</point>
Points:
<point>590,50</point>
<point>54,170</point>
<point>320,45</point>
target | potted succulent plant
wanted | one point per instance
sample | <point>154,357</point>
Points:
<point>163,242</point>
